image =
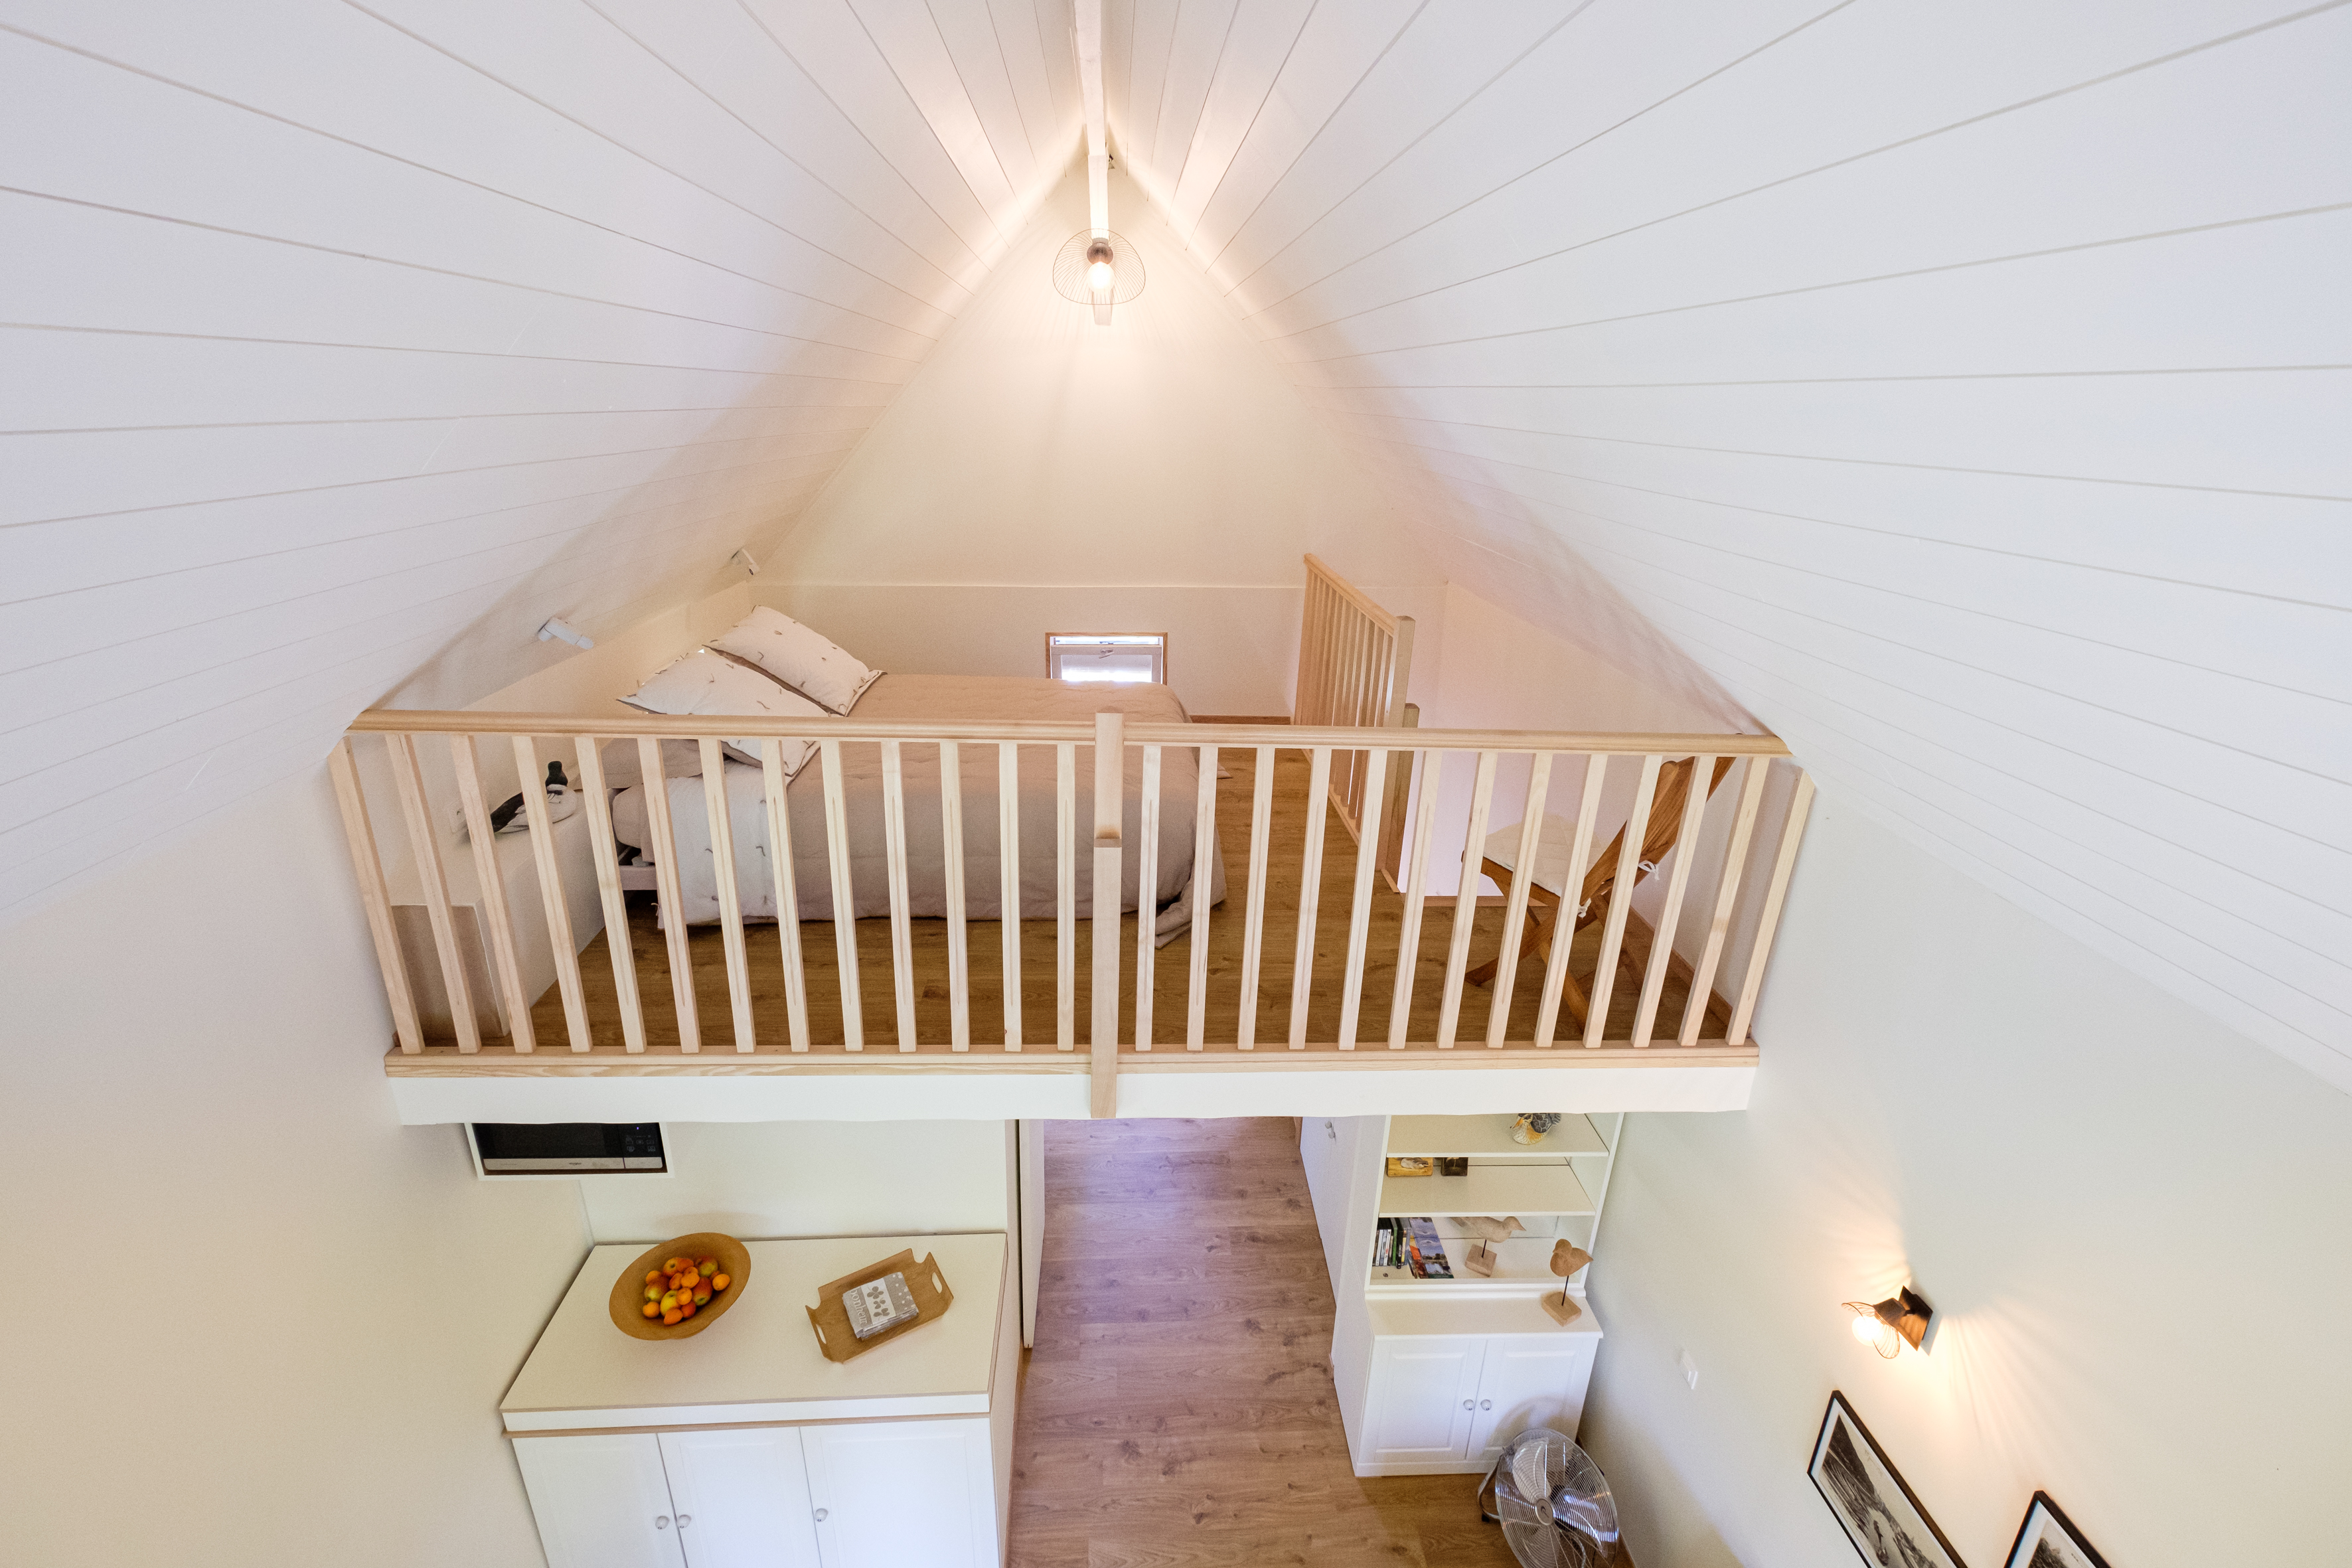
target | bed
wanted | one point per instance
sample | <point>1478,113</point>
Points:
<point>917,698</point>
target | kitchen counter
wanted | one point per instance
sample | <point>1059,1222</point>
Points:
<point>760,1362</point>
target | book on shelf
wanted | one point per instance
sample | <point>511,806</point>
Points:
<point>1425,1253</point>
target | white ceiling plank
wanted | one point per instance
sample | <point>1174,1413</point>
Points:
<point>1049,22</point>
<point>1132,97</point>
<point>909,38</point>
<point>1196,50</point>
<point>1256,47</point>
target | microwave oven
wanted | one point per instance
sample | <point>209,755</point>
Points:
<point>507,1149</point>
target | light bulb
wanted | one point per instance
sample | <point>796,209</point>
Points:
<point>1867,1328</point>
<point>1098,277</point>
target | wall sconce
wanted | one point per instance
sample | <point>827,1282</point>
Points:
<point>1888,1326</point>
<point>743,558</point>
<point>564,631</point>
<point>1101,269</point>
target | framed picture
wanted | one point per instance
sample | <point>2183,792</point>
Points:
<point>2048,1539</point>
<point>1881,1517</point>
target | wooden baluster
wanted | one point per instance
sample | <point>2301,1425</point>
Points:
<point>374,896</point>
<point>1432,766</point>
<point>1253,909</point>
<point>1008,857</point>
<point>1563,930</point>
<point>598,799</point>
<point>1360,908</point>
<point>426,846</point>
<point>1620,903</point>
<point>844,896</point>
<point>1311,887</point>
<point>1066,897</point>
<point>774,784</point>
<point>1775,893</point>
<point>1147,897</point>
<point>1204,860</point>
<point>669,887</point>
<point>1727,896</point>
<point>731,895</point>
<point>551,895</point>
<point>902,930</point>
<point>1662,939</point>
<point>505,968</point>
<point>1110,782</point>
<point>951,858</point>
<point>1515,909</point>
<point>1466,900</point>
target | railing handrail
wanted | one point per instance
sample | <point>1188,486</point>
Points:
<point>1363,601</point>
<point>695,727</point>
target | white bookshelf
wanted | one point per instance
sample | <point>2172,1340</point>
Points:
<point>1497,1189</point>
<point>1555,1188</point>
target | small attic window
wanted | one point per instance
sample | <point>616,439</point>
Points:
<point>1118,658</point>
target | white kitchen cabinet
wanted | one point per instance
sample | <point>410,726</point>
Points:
<point>1447,1403</point>
<point>741,1496</point>
<point>1424,1397</point>
<point>602,1502</point>
<point>888,1493</point>
<point>754,1451</point>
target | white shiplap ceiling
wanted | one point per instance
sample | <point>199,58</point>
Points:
<point>342,341</point>
<point>1960,389</point>
<point>1963,389</point>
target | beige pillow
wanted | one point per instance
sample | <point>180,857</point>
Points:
<point>801,656</point>
<point>703,684</point>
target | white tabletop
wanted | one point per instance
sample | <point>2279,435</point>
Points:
<point>760,1362</point>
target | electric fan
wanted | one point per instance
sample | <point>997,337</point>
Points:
<point>1552,1501</point>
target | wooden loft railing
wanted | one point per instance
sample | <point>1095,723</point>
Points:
<point>1355,662</point>
<point>1307,954</point>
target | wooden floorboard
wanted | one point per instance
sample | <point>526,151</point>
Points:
<point>1287,837</point>
<point>1178,1410</point>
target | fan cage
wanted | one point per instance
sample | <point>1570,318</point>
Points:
<point>1070,270</point>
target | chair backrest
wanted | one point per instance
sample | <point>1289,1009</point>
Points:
<point>1665,826</point>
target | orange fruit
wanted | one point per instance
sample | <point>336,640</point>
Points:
<point>652,1309</point>
<point>719,1281</point>
<point>685,1309</point>
<point>671,1319</point>
<point>653,1275</point>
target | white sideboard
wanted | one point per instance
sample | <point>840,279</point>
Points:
<point>1452,1383</point>
<point>742,1445</point>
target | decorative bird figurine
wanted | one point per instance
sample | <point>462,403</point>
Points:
<point>1567,1258</point>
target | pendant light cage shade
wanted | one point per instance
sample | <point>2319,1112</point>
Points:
<point>1071,261</point>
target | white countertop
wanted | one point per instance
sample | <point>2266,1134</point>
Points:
<point>1430,1314</point>
<point>760,1362</point>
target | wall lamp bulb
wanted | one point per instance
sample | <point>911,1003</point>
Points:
<point>556,630</point>
<point>1888,1326</point>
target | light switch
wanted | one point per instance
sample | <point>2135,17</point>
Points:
<point>1690,1369</point>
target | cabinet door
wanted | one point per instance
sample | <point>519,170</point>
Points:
<point>600,1502</point>
<point>1424,1392</point>
<point>888,1494</point>
<point>1534,1380</point>
<point>742,1498</point>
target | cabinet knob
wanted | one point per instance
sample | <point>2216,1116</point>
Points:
<point>1469,1405</point>
<point>661,1521</point>
<point>684,1520</point>
<point>1483,1404</point>
<point>820,1516</point>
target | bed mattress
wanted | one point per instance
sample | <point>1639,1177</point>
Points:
<point>947,698</point>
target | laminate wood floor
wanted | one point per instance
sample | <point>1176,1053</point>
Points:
<point>1178,1410</point>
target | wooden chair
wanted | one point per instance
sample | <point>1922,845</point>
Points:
<point>1550,872</point>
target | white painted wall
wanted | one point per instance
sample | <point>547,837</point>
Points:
<point>771,1179</point>
<point>300,1314</point>
<point>2130,1221</point>
<point>1040,473</point>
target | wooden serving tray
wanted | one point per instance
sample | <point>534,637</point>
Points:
<point>830,1319</point>
<point>629,1289</point>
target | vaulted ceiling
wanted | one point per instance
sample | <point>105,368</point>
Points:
<point>1961,389</point>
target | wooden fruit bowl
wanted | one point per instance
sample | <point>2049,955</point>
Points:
<point>629,1289</point>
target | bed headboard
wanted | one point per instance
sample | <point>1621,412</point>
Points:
<point>1354,658</point>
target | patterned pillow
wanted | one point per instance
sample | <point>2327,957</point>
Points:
<point>801,656</point>
<point>703,683</point>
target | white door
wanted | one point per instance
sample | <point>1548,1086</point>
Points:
<point>1534,1380</point>
<point>741,1498</point>
<point>600,1502</point>
<point>892,1494</point>
<point>1424,1393</point>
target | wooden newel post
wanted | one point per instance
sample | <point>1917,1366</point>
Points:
<point>1110,757</point>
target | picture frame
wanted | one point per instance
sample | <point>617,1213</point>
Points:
<point>2048,1539</point>
<point>1869,1498</point>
